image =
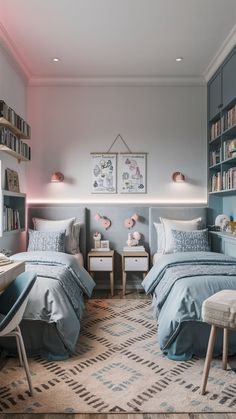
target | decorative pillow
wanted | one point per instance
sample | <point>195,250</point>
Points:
<point>185,225</point>
<point>191,241</point>
<point>71,226</point>
<point>46,240</point>
<point>160,237</point>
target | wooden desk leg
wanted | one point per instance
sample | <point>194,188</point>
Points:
<point>124,276</point>
<point>112,283</point>
<point>225,349</point>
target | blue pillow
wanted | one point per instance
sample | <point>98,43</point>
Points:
<point>190,241</point>
<point>46,240</point>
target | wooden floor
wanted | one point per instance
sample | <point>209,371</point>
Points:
<point>122,416</point>
<point>129,295</point>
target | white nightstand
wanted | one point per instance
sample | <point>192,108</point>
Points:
<point>102,262</point>
<point>134,262</point>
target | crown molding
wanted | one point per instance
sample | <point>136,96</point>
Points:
<point>228,44</point>
<point>117,81</point>
<point>13,52</point>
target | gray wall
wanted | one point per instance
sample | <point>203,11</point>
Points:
<point>117,235</point>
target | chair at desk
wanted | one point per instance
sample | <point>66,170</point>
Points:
<point>12,306</point>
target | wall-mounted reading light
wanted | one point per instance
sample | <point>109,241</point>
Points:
<point>178,177</point>
<point>57,177</point>
<point>106,222</point>
<point>130,222</point>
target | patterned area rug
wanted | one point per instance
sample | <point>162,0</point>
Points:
<point>118,367</point>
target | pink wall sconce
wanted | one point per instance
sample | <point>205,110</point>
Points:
<point>106,223</point>
<point>130,222</point>
<point>178,177</point>
<point>57,177</point>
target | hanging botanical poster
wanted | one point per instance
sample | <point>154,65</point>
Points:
<point>132,171</point>
<point>103,172</point>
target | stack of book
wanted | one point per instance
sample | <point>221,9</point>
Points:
<point>4,260</point>
<point>133,249</point>
<point>101,249</point>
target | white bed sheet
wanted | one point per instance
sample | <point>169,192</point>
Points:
<point>156,257</point>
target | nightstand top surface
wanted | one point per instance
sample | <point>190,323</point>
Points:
<point>135,254</point>
<point>101,253</point>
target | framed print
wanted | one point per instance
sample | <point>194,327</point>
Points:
<point>105,244</point>
<point>104,173</point>
<point>132,173</point>
<point>12,181</point>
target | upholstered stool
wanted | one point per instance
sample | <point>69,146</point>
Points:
<point>219,310</point>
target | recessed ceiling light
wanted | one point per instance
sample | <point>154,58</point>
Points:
<point>55,60</point>
<point>179,59</point>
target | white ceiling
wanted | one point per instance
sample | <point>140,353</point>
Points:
<point>117,38</point>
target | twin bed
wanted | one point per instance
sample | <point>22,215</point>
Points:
<point>179,283</point>
<point>51,322</point>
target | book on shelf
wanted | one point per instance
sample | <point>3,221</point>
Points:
<point>101,249</point>
<point>216,129</point>
<point>215,157</point>
<point>229,179</point>
<point>229,149</point>
<point>11,219</point>
<point>216,182</point>
<point>10,140</point>
<point>11,116</point>
<point>133,249</point>
<point>230,118</point>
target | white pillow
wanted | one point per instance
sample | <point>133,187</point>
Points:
<point>160,237</point>
<point>71,226</point>
<point>184,225</point>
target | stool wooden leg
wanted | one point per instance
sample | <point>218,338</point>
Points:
<point>208,359</point>
<point>225,349</point>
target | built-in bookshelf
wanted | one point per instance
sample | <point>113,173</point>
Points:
<point>222,128</point>
<point>12,129</point>
<point>13,212</point>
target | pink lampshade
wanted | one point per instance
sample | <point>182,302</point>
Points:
<point>135,217</point>
<point>97,217</point>
<point>57,177</point>
<point>178,177</point>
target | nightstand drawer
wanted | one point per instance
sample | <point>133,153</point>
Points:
<point>100,264</point>
<point>136,264</point>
